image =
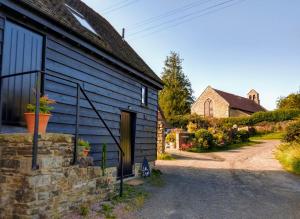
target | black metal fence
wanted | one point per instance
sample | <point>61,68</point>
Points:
<point>39,75</point>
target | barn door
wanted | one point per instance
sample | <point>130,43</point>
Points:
<point>126,141</point>
<point>22,51</point>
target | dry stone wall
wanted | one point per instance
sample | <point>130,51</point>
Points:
<point>56,187</point>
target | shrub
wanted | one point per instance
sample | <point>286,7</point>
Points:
<point>204,138</point>
<point>191,127</point>
<point>221,139</point>
<point>171,137</point>
<point>293,132</point>
<point>242,135</point>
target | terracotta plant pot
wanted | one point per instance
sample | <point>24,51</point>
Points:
<point>43,122</point>
<point>85,152</point>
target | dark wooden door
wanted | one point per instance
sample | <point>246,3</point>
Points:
<point>126,141</point>
<point>22,51</point>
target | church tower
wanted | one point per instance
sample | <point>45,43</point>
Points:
<point>253,95</point>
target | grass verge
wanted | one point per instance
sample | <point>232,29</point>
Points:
<point>165,156</point>
<point>133,197</point>
<point>223,148</point>
<point>269,136</point>
<point>288,155</point>
<point>156,178</point>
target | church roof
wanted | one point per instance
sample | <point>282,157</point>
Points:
<point>241,103</point>
<point>104,36</point>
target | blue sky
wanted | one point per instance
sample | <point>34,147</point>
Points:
<point>252,44</point>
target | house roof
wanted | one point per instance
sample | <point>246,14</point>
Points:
<point>107,38</point>
<point>240,103</point>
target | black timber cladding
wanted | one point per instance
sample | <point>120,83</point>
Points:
<point>109,88</point>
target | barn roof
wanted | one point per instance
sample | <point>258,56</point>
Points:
<point>240,103</point>
<point>107,38</point>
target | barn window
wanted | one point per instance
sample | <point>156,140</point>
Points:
<point>208,108</point>
<point>144,95</point>
<point>80,18</point>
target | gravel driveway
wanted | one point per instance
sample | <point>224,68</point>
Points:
<point>242,183</point>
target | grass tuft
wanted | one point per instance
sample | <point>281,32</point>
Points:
<point>133,197</point>
<point>165,156</point>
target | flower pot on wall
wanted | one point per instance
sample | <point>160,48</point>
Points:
<point>43,122</point>
<point>85,152</point>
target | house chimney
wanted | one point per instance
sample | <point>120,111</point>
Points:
<point>123,33</point>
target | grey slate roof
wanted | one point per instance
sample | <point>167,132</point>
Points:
<point>240,103</point>
<point>108,39</point>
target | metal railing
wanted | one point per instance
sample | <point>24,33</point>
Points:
<point>39,75</point>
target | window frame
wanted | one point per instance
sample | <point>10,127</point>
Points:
<point>144,95</point>
<point>80,18</point>
<point>208,108</point>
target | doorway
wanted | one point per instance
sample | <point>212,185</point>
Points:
<point>22,52</point>
<point>127,131</point>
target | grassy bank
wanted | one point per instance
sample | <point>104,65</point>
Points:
<point>269,136</point>
<point>288,155</point>
<point>224,148</point>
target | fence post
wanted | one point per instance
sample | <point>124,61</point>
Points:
<point>36,124</point>
<point>77,125</point>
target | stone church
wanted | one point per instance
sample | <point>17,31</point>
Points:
<point>220,104</point>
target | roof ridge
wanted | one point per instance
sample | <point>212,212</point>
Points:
<point>235,95</point>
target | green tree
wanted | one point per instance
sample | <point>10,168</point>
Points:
<point>177,96</point>
<point>292,101</point>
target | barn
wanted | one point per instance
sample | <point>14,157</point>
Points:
<point>71,51</point>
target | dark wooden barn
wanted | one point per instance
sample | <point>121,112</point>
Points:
<point>69,39</point>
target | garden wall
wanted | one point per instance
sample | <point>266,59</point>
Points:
<point>56,187</point>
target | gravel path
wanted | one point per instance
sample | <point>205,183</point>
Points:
<point>242,183</point>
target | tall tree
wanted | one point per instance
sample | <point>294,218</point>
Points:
<point>177,96</point>
<point>292,101</point>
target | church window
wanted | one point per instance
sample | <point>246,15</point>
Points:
<point>208,108</point>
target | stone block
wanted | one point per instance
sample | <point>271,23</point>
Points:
<point>11,164</point>
<point>49,162</point>
<point>40,180</point>
<point>42,196</point>
<point>25,195</point>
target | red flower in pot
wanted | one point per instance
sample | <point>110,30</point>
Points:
<point>44,115</point>
<point>84,148</point>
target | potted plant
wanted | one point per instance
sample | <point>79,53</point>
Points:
<point>44,114</point>
<point>84,148</point>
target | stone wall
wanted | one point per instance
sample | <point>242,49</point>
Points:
<point>220,106</point>
<point>56,187</point>
<point>160,135</point>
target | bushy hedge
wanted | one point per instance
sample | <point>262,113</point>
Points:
<point>272,116</point>
<point>212,138</point>
<point>181,121</point>
<point>293,132</point>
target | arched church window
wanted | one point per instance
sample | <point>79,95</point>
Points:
<point>208,108</point>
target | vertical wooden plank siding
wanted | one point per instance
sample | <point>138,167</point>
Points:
<point>22,52</point>
<point>110,89</point>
